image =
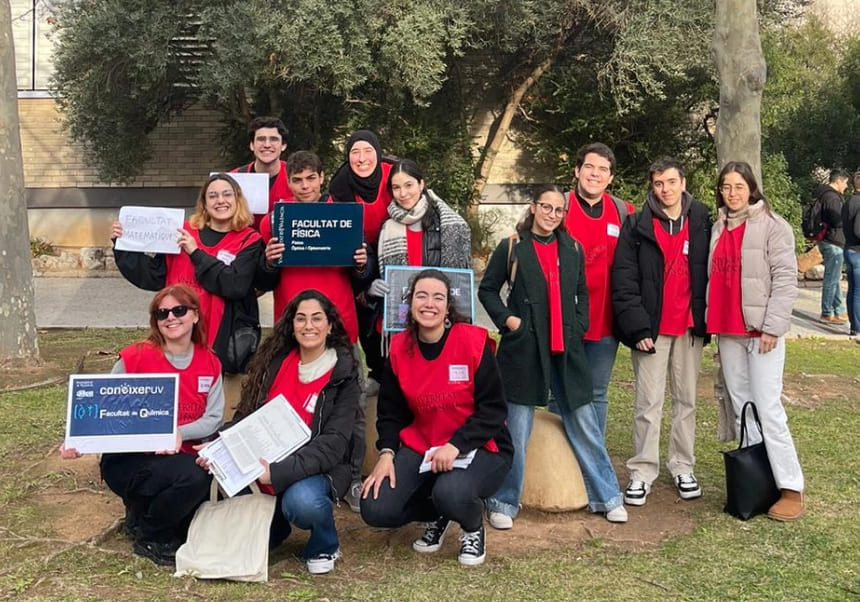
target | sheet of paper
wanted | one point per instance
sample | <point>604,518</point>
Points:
<point>272,432</point>
<point>228,474</point>
<point>255,189</point>
<point>150,229</point>
<point>461,461</point>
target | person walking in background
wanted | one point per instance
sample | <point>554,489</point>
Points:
<point>594,219</point>
<point>752,286</point>
<point>659,280</point>
<point>831,247</point>
<point>851,230</point>
<point>440,398</point>
<point>541,350</point>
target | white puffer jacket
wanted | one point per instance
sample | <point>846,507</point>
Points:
<point>768,269</point>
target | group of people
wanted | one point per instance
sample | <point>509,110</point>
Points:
<point>839,245</point>
<point>583,271</point>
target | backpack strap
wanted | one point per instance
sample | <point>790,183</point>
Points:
<point>513,240</point>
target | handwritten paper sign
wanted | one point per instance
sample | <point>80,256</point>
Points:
<point>150,229</point>
<point>255,189</point>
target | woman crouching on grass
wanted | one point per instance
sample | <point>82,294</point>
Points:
<point>162,490</point>
<point>440,397</point>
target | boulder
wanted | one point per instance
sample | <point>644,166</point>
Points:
<point>553,481</point>
<point>814,273</point>
<point>809,260</point>
<point>92,258</point>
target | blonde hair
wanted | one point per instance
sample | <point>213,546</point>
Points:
<point>241,219</point>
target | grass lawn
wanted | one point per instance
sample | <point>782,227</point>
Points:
<point>56,543</point>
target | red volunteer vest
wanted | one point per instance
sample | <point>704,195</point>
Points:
<point>194,381</point>
<point>180,270</point>
<point>598,237</point>
<point>333,282</point>
<point>376,212</point>
<point>676,315</point>
<point>302,396</point>
<point>440,393</point>
<point>725,313</point>
<point>279,189</point>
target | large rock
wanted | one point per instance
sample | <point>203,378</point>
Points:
<point>92,258</point>
<point>814,273</point>
<point>553,481</point>
<point>809,260</point>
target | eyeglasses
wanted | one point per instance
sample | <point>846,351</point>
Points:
<point>548,209</point>
<point>727,188</point>
<point>269,139</point>
<point>162,312</point>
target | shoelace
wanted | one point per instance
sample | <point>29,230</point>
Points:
<point>431,531</point>
<point>471,542</point>
<point>686,479</point>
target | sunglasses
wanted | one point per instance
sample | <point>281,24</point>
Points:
<point>162,312</point>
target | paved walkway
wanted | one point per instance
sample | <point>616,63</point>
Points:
<point>113,302</point>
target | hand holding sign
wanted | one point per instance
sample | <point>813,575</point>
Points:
<point>148,229</point>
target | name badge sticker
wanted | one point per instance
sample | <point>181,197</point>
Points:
<point>686,247</point>
<point>225,257</point>
<point>458,373</point>
<point>311,403</point>
<point>204,383</point>
<point>613,230</point>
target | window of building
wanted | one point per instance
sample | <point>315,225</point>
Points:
<point>32,30</point>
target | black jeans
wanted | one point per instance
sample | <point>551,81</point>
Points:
<point>457,494</point>
<point>160,493</point>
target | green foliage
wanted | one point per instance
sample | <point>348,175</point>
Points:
<point>40,246</point>
<point>119,71</point>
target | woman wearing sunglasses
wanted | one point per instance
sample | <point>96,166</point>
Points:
<point>541,349</point>
<point>161,491</point>
<point>218,255</point>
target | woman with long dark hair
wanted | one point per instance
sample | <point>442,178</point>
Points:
<point>440,399</point>
<point>752,285</point>
<point>309,360</point>
<point>541,350</point>
<point>161,491</point>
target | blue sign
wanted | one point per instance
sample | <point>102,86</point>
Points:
<point>399,277</point>
<point>127,412</point>
<point>318,234</point>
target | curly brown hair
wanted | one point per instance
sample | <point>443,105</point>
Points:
<point>281,342</point>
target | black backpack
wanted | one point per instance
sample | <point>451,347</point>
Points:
<point>813,228</point>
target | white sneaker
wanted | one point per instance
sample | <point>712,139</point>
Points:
<point>636,493</point>
<point>688,486</point>
<point>500,520</point>
<point>322,564</point>
<point>617,515</point>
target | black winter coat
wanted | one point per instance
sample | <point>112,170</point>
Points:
<point>637,275</point>
<point>524,354</point>
<point>831,214</point>
<point>331,429</point>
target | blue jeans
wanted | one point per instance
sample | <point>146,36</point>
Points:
<point>601,358</point>
<point>852,262</point>
<point>307,505</point>
<point>583,431</point>
<point>831,290</point>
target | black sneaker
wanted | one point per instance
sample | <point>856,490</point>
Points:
<point>472,548</point>
<point>434,535</point>
<point>163,553</point>
<point>688,486</point>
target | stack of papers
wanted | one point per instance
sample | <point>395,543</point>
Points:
<point>461,461</point>
<point>272,433</point>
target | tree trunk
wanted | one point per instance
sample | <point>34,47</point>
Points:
<point>737,55</point>
<point>18,335</point>
<point>494,143</point>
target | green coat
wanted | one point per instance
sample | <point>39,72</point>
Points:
<point>523,355</point>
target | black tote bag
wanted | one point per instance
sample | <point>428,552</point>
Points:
<point>750,486</point>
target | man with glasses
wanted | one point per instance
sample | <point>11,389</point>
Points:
<point>594,219</point>
<point>659,282</point>
<point>267,139</point>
